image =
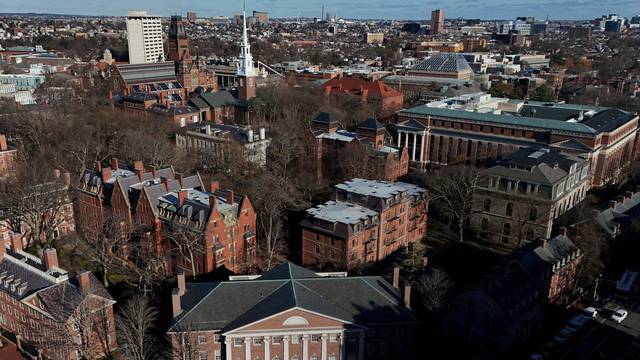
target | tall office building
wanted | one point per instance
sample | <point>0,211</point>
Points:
<point>437,21</point>
<point>144,35</point>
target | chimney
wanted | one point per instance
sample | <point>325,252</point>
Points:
<point>396,277</point>
<point>250,135</point>
<point>213,201</point>
<point>229,197</point>
<point>165,182</point>
<point>3,143</point>
<point>262,134</point>
<point>628,194</point>
<point>138,165</point>
<point>115,165</point>
<point>541,242</point>
<point>182,196</point>
<point>620,199</point>
<point>214,187</point>
<point>83,281</point>
<point>563,231</point>
<point>98,166</point>
<point>175,302</point>
<point>66,178</point>
<point>56,174</point>
<point>16,242</point>
<point>181,284</point>
<point>180,179</point>
<point>153,171</point>
<point>106,174</point>
<point>612,204</point>
<point>407,296</point>
<point>50,257</point>
<point>139,174</point>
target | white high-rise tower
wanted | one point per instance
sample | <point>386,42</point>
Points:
<point>144,35</point>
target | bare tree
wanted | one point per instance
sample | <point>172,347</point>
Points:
<point>451,189</point>
<point>434,287</point>
<point>187,243</point>
<point>102,245</point>
<point>35,204</point>
<point>135,323</point>
<point>184,341</point>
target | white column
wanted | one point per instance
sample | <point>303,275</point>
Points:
<point>361,345</point>
<point>227,343</point>
<point>415,141</point>
<point>423,145</point>
<point>285,340</point>
<point>305,347</point>
<point>343,347</point>
<point>247,348</point>
<point>267,349</point>
<point>406,139</point>
<point>399,136</point>
<point>324,347</point>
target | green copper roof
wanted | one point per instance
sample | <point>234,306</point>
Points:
<point>501,119</point>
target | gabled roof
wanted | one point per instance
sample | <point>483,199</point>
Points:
<point>371,124</point>
<point>354,300</point>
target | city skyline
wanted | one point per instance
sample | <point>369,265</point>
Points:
<point>366,9</point>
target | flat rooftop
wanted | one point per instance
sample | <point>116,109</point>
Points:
<point>380,189</point>
<point>341,212</point>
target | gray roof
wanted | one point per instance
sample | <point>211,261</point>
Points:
<point>504,119</point>
<point>353,300</point>
<point>542,258</point>
<point>151,72</point>
<point>214,99</point>
<point>341,211</point>
<point>371,124</point>
<point>444,62</point>
<point>378,188</point>
<point>624,213</point>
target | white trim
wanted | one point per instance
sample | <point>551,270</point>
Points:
<point>279,332</point>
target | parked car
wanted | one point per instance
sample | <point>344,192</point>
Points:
<point>619,315</point>
<point>590,312</point>
<point>562,336</point>
<point>577,322</point>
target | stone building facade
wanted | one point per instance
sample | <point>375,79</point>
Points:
<point>478,128</point>
<point>291,313</point>
<point>518,199</point>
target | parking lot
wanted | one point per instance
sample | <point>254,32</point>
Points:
<point>601,338</point>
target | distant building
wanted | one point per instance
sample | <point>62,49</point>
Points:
<point>221,140</point>
<point>439,46</point>
<point>262,17</point>
<point>26,82</point>
<point>45,306</point>
<point>437,22</point>
<point>518,200</point>
<point>326,141</point>
<point>293,313</point>
<point>472,44</point>
<point>384,98</point>
<point>623,211</point>
<point>218,106</point>
<point>144,36</point>
<point>613,26</point>
<point>368,221</point>
<point>192,17</point>
<point>413,28</point>
<point>374,38</point>
<point>445,65</point>
<point>8,159</point>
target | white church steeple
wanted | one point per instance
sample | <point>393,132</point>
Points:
<point>245,67</point>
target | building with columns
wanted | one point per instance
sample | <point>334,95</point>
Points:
<point>291,313</point>
<point>477,128</point>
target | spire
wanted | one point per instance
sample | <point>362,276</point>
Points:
<point>246,60</point>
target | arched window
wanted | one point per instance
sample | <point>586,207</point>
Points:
<point>295,321</point>
<point>487,204</point>
<point>332,356</point>
<point>506,229</point>
<point>484,225</point>
<point>533,214</point>
<point>314,357</point>
<point>509,210</point>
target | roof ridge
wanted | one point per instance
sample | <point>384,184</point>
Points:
<point>196,305</point>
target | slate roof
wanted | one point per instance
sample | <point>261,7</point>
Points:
<point>214,99</point>
<point>444,62</point>
<point>341,211</point>
<point>624,213</point>
<point>541,259</point>
<point>353,300</point>
<point>25,269</point>
<point>371,124</point>
<point>151,72</point>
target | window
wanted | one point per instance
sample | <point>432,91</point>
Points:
<point>484,225</point>
<point>332,356</point>
<point>533,214</point>
<point>217,338</point>
<point>276,340</point>
<point>237,342</point>
<point>314,357</point>
<point>506,229</point>
<point>333,338</point>
<point>509,210</point>
<point>487,204</point>
<point>202,339</point>
<point>202,355</point>
<point>315,338</point>
<point>217,355</point>
<point>257,341</point>
<point>295,339</point>
<point>530,234</point>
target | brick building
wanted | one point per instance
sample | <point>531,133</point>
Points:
<point>326,140</point>
<point>47,307</point>
<point>384,98</point>
<point>518,200</point>
<point>154,201</point>
<point>367,221</point>
<point>8,158</point>
<point>476,128</point>
<point>292,313</point>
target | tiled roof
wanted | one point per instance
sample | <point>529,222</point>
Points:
<point>355,300</point>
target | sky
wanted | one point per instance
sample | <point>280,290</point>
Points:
<point>379,9</point>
